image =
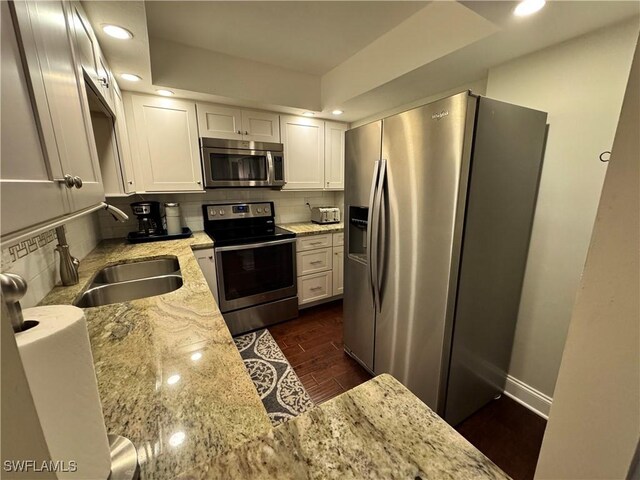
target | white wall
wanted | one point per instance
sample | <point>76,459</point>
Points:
<point>36,260</point>
<point>289,207</point>
<point>594,426</point>
<point>581,84</point>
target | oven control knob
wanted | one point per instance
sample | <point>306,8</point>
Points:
<point>259,210</point>
<point>266,209</point>
<point>221,212</point>
<point>213,213</point>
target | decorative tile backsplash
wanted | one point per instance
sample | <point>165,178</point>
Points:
<point>36,260</point>
<point>32,244</point>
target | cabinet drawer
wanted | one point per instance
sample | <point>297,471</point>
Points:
<point>312,242</point>
<point>315,287</point>
<point>338,239</point>
<point>314,261</point>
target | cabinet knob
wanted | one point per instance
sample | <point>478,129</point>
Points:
<point>77,182</point>
<point>246,132</point>
<point>239,132</point>
<point>68,181</point>
<point>130,182</point>
<point>199,182</point>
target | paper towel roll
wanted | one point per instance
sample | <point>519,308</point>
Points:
<point>57,360</point>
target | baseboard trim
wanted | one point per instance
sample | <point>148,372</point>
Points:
<point>536,401</point>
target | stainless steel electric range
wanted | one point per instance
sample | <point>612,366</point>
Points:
<point>255,263</point>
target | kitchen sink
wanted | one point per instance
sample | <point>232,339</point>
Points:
<point>125,272</point>
<point>99,295</point>
<point>131,281</point>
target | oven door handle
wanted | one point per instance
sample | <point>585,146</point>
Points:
<point>247,246</point>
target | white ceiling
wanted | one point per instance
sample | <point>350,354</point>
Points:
<point>310,37</point>
<point>305,55</point>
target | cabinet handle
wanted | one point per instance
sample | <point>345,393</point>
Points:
<point>239,132</point>
<point>315,288</point>
<point>77,182</point>
<point>315,262</point>
<point>246,133</point>
<point>68,181</point>
<point>315,243</point>
<point>210,257</point>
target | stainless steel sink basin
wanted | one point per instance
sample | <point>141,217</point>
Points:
<point>125,272</point>
<point>128,290</point>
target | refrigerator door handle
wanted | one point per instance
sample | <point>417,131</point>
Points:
<point>370,217</point>
<point>375,234</point>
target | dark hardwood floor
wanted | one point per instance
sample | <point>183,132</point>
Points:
<point>313,345</point>
<point>505,431</point>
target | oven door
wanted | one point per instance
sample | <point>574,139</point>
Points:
<point>237,168</point>
<point>255,273</point>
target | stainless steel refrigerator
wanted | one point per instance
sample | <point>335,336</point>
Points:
<point>439,203</point>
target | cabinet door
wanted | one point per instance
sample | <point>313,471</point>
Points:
<point>303,140</point>
<point>338,270</point>
<point>206,261</point>
<point>219,122</point>
<point>50,59</point>
<point>334,155</point>
<point>29,191</point>
<point>86,49</point>
<point>260,126</point>
<point>167,140</point>
<point>122,140</point>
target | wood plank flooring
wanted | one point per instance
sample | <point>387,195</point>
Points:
<point>313,346</point>
<point>505,431</point>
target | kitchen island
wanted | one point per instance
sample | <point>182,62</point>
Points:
<point>172,381</point>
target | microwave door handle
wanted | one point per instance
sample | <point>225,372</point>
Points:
<point>269,169</point>
<point>372,196</point>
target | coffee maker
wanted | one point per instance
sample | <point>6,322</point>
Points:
<point>151,219</point>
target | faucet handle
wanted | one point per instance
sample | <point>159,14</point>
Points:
<point>13,289</point>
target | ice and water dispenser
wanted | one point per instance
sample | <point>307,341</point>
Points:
<point>358,232</point>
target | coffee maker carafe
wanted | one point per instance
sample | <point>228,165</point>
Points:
<point>151,218</point>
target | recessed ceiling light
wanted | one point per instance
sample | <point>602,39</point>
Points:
<point>337,112</point>
<point>131,77</point>
<point>308,114</point>
<point>164,93</point>
<point>176,439</point>
<point>117,32</point>
<point>527,7</point>
<point>196,356</point>
<point>173,379</point>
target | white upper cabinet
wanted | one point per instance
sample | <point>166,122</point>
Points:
<point>122,139</point>
<point>303,140</point>
<point>59,98</point>
<point>30,189</point>
<point>260,126</point>
<point>334,155</point>
<point>215,121</point>
<point>219,122</point>
<point>166,140</point>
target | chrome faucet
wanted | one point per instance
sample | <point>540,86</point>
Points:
<point>68,263</point>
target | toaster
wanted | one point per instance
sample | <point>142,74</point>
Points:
<point>325,215</point>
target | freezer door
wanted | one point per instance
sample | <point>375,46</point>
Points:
<point>362,155</point>
<point>427,153</point>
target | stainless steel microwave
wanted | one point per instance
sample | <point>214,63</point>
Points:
<point>239,163</point>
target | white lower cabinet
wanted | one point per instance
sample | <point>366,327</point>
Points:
<point>207,263</point>
<point>320,267</point>
<point>338,270</point>
<point>315,287</point>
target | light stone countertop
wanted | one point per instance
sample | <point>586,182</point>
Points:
<point>303,229</point>
<point>138,345</point>
<point>378,430</point>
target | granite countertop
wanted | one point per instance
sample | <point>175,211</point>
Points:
<point>302,229</point>
<point>138,345</point>
<point>211,424</point>
<point>378,430</point>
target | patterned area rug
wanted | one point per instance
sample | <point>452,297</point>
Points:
<point>281,391</point>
